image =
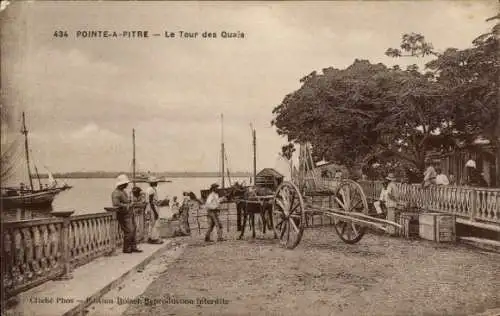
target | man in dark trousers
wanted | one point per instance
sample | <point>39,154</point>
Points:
<point>124,214</point>
<point>212,204</point>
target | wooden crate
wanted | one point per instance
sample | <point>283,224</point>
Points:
<point>167,227</point>
<point>437,227</point>
<point>410,225</point>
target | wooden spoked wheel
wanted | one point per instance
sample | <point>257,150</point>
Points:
<point>349,197</point>
<point>288,215</point>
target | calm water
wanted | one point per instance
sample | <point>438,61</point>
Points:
<point>91,195</point>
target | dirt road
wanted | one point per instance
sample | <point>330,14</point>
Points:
<point>323,276</point>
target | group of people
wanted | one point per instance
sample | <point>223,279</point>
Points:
<point>387,202</point>
<point>472,176</point>
<point>126,211</point>
<point>148,200</point>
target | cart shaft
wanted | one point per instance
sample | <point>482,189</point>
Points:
<point>354,217</point>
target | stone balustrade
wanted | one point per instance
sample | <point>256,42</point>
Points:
<point>90,236</point>
<point>31,254</point>
<point>473,203</point>
<point>35,251</point>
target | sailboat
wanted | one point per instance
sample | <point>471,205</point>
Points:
<point>27,196</point>
<point>139,177</point>
<point>222,191</point>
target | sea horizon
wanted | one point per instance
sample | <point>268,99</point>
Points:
<point>167,174</point>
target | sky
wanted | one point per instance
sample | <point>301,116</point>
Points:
<point>83,96</point>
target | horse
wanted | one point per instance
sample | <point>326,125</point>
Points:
<point>248,204</point>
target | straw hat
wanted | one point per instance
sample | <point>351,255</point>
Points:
<point>471,164</point>
<point>121,179</point>
<point>153,179</point>
<point>391,177</point>
<point>214,186</point>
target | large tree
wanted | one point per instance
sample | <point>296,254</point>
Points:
<point>368,110</point>
<point>362,111</point>
<point>469,78</point>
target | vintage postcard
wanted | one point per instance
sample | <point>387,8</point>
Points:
<point>250,158</point>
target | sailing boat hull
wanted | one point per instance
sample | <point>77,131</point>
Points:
<point>40,199</point>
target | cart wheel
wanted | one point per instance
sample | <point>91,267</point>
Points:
<point>288,215</point>
<point>350,198</point>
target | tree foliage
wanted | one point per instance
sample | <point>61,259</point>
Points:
<point>367,110</point>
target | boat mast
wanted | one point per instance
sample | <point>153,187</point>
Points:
<point>133,157</point>
<point>222,147</point>
<point>38,176</point>
<point>254,137</point>
<point>25,133</point>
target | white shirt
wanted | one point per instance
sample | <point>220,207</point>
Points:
<point>213,201</point>
<point>151,191</point>
<point>429,174</point>
<point>442,179</point>
<point>386,195</point>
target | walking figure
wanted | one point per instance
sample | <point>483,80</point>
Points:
<point>212,205</point>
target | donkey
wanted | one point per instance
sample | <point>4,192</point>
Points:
<point>248,205</point>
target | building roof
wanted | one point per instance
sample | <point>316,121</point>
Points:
<point>269,172</point>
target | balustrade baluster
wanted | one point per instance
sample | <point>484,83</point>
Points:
<point>28,246</point>
<point>54,246</point>
<point>496,207</point>
<point>17,272</point>
<point>92,235</point>
<point>37,245</point>
<point>78,240</point>
<point>112,231</point>
<point>86,240</point>
<point>472,204</point>
<point>99,233</point>
<point>8,260</point>
<point>46,249</point>
<point>64,244</point>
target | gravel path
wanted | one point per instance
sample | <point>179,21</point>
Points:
<point>323,276</point>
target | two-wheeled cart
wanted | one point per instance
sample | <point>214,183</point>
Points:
<point>349,207</point>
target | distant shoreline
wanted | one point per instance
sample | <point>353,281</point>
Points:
<point>112,175</point>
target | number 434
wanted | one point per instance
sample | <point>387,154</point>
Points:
<point>61,34</point>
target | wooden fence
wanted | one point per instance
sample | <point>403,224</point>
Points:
<point>35,251</point>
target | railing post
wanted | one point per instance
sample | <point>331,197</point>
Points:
<point>65,244</point>
<point>113,230</point>
<point>473,205</point>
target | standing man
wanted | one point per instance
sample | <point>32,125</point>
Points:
<point>470,171</point>
<point>125,214</point>
<point>212,205</point>
<point>152,211</point>
<point>388,197</point>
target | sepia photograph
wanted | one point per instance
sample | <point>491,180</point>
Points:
<point>337,158</point>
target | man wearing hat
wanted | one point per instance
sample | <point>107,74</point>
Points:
<point>125,214</point>
<point>388,198</point>
<point>152,211</point>
<point>212,205</point>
